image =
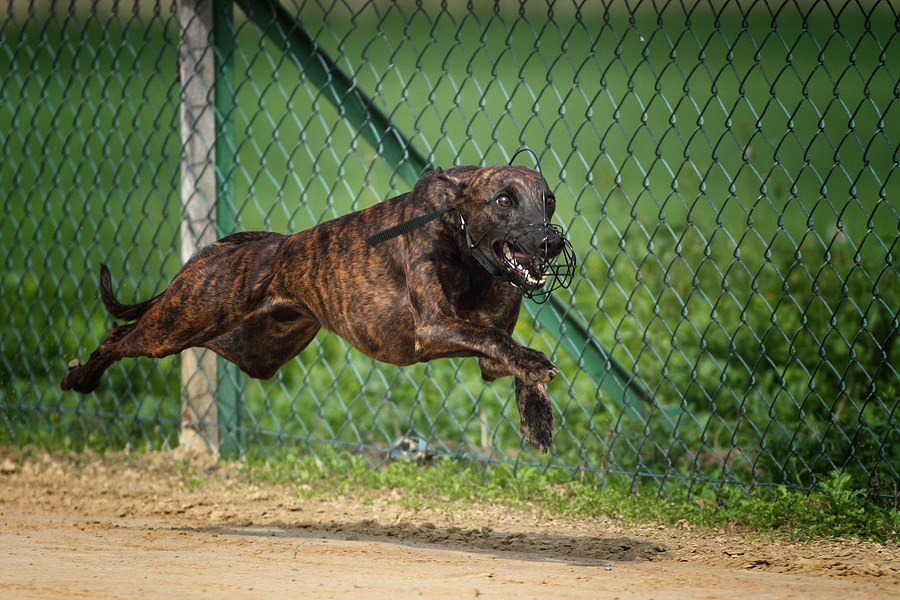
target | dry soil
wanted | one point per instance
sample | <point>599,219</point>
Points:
<point>146,526</point>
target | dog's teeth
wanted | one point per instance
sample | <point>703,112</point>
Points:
<point>524,272</point>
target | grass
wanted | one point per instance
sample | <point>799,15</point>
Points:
<point>836,510</point>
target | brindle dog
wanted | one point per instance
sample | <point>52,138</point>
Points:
<point>419,293</point>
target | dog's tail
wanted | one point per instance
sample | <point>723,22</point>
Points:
<point>126,312</point>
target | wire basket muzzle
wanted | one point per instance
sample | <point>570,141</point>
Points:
<point>538,259</point>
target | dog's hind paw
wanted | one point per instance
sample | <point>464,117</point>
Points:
<point>78,380</point>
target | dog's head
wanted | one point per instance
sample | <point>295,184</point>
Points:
<point>506,212</point>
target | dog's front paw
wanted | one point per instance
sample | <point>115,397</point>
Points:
<point>536,367</point>
<point>535,415</point>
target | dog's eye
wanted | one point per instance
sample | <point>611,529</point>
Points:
<point>550,201</point>
<point>504,201</point>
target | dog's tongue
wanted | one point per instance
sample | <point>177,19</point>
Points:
<point>521,259</point>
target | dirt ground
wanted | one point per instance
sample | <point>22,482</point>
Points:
<point>142,526</point>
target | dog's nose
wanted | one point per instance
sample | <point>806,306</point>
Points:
<point>552,245</point>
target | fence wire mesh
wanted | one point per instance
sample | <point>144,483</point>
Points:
<point>727,171</point>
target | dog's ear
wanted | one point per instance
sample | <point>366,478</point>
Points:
<point>454,184</point>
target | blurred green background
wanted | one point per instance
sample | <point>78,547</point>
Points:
<point>727,173</point>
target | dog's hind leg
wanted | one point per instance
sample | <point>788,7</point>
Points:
<point>85,377</point>
<point>164,330</point>
<point>220,287</point>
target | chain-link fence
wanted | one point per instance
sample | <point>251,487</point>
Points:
<point>727,171</point>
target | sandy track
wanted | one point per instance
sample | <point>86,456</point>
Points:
<point>144,527</point>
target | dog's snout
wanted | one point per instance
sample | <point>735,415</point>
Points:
<point>552,245</point>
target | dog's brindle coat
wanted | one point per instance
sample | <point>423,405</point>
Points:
<point>258,298</point>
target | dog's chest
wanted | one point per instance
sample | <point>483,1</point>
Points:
<point>382,328</point>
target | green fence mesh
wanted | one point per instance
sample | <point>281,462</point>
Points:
<point>727,171</point>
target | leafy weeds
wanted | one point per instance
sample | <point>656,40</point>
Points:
<point>837,510</point>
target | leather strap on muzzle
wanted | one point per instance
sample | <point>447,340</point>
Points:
<point>477,254</point>
<point>406,226</point>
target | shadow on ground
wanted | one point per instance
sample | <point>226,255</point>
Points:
<point>597,548</point>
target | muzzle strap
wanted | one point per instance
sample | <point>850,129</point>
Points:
<point>480,258</point>
<point>405,227</point>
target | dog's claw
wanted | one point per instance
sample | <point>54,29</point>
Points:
<point>73,364</point>
<point>545,377</point>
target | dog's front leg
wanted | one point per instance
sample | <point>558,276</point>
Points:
<point>535,411</point>
<point>535,414</point>
<point>487,335</point>
<point>450,337</point>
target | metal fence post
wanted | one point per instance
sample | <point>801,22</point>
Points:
<point>229,384</point>
<point>199,413</point>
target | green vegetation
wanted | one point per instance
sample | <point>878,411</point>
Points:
<point>837,510</point>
